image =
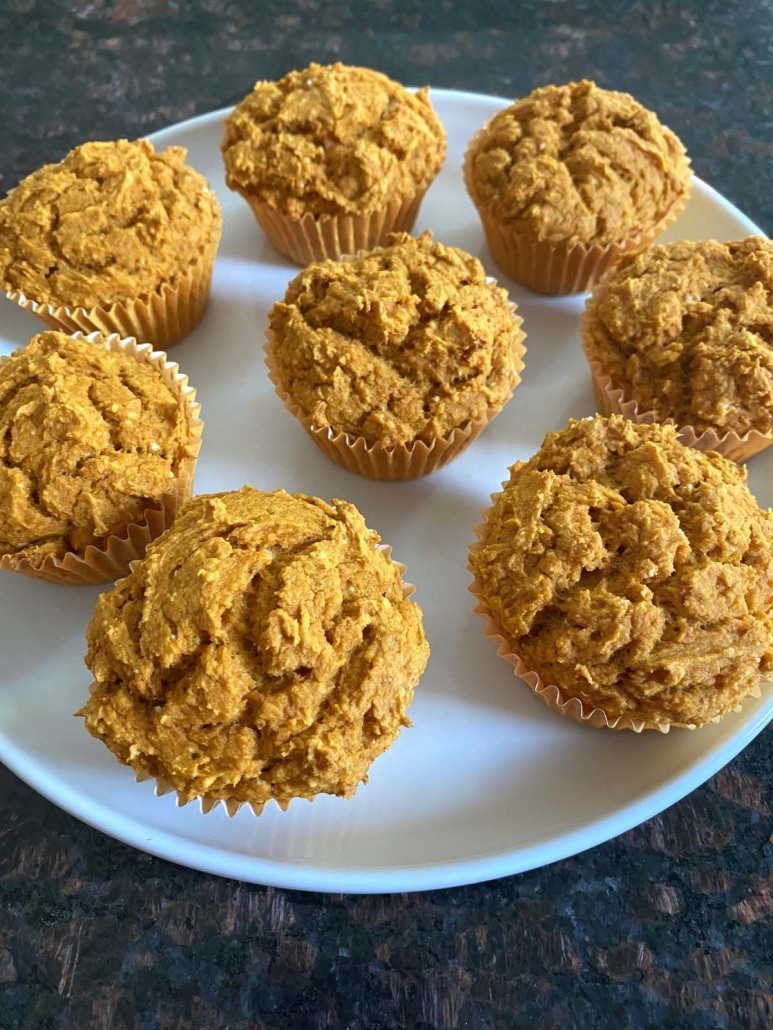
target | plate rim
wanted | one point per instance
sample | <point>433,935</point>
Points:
<point>438,875</point>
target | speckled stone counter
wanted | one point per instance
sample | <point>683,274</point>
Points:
<point>670,925</point>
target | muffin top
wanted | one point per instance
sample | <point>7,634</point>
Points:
<point>577,163</point>
<point>686,330</point>
<point>262,649</point>
<point>332,139</point>
<point>632,572</point>
<point>112,221</point>
<point>88,440</point>
<point>403,343</point>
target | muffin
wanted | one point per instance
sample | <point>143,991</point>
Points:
<point>114,238</point>
<point>628,578</point>
<point>332,159</point>
<point>395,360</point>
<point>684,333</point>
<point>569,178</point>
<point>264,649</point>
<point>98,444</point>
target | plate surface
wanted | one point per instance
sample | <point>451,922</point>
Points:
<point>488,782</point>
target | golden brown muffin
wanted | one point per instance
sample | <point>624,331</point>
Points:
<point>264,649</point>
<point>124,233</point>
<point>570,177</point>
<point>632,574</point>
<point>332,158</point>
<point>98,443</point>
<point>399,347</point>
<point>684,332</point>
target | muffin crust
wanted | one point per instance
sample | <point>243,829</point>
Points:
<point>263,649</point>
<point>577,163</point>
<point>632,572</point>
<point>686,330</point>
<point>88,440</point>
<point>331,139</point>
<point>403,343</point>
<point>112,221</point>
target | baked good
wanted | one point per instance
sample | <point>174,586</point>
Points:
<point>395,360</point>
<point>629,578</point>
<point>98,444</point>
<point>114,238</point>
<point>683,332</point>
<point>332,158</point>
<point>264,649</point>
<point>570,177</point>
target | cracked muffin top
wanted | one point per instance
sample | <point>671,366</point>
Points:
<point>332,139</point>
<point>686,330</point>
<point>263,648</point>
<point>632,572</point>
<point>577,162</point>
<point>112,221</point>
<point>89,439</point>
<point>403,343</point>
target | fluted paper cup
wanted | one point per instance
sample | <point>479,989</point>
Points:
<point>162,318</point>
<point>111,560</point>
<point>322,237</point>
<point>564,267</point>
<point>396,462</point>
<point>611,399</point>
<point>208,803</point>
<point>549,693</point>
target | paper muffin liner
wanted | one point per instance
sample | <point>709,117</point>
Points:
<point>397,462</point>
<point>557,268</point>
<point>106,563</point>
<point>550,694</point>
<point>162,318</point>
<point>319,238</point>
<point>612,400</point>
<point>206,802</point>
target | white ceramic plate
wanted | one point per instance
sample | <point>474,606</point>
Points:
<point>489,781</point>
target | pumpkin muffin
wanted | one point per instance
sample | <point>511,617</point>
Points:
<point>628,578</point>
<point>684,333</point>
<point>98,444</point>
<point>394,361</point>
<point>264,649</point>
<point>114,238</point>
<point>331,159</point>
<point>570,177</point>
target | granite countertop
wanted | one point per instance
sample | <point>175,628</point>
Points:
<point>669,925</point>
